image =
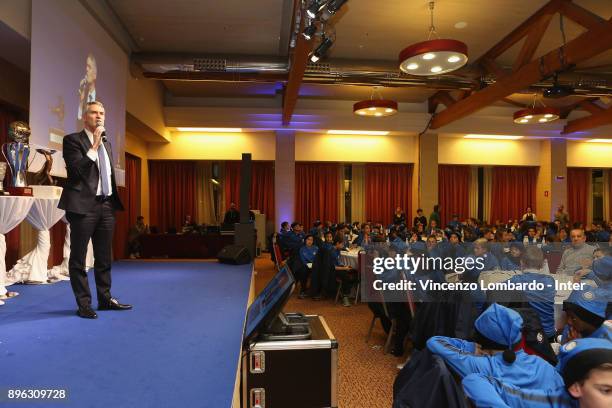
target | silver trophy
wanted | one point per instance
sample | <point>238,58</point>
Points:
<point>2,174</point>
<point>16,152</point>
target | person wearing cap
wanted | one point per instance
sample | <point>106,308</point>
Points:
<point>498,332</point>
<point>585,366</point>
<point>586,315</point>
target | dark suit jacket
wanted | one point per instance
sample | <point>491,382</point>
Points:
<point>81,186</point>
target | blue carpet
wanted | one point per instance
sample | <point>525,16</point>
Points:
<point>178,347</point>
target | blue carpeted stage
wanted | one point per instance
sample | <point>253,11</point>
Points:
<point>178,347</point>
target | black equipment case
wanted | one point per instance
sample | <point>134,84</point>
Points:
<point>292,373</point>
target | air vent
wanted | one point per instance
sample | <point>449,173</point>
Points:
<point>210,64</point>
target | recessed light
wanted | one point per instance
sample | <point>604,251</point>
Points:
<point>542,120</point>
<point>454,58</point>
<point>428,56</point>
<point>436,69</point>
<point>358,132</point>
<point>460,24</point>
<point>548,115</point>
<point>528,117</point>
<point>413,66</point>
<point>209,130</point>
<point>373,108</point>
<point>388,110</point>
<point>599,141</point>
<point>495,137</point>
<point>524,120</point>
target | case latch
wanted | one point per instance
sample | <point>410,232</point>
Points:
<point>258,398</point>
<point>258,362</point>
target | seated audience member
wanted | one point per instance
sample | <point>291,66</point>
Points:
<point>433,228</point>
<point>365,236</point>
<point>189,225</point>
<point>285,228</point>
<point>495,353</point>
<point>489,262</point>
<point>529,215</point>
<point>419,219</point>
<point>601,235</point>
<point>232,216</point>
<point>399,217</point>
<point>455,224</point>
<point>585,366</point>
<point>512,260</point>
<point>308,252</point>
<point>585,311</point>
<point>328,243</point>
<point>136,231</point>
<point>577,255</point>
<point>453,248</point>
<point>317,230</point>
<point>432,244</point>
<point>561,216</point>
<point>343,272</point>
<point>293,240</point>
<point>564,235</point>
<point>531,237</point>
<point>397,242</point>
<point>355,228</point>
<point>542,301</point>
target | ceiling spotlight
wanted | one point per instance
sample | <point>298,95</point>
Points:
<point>446,55</point>
<point>334,5</point>
<point>321,49</point>
<point>310,31</point>
<point>315,8</point>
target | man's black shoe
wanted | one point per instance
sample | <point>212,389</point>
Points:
<point>113,304</point>
<point>87,313</point>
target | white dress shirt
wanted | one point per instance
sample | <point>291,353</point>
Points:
<point>93,155</point>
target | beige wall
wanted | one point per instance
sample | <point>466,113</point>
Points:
<point>136,146</point>
<point>452,150</point>
<point>17,15</point>
<point>543,185</point>
<point>355,148</point>
<point>582,154</point>
<point>221,146</point>
<point>145,100</point>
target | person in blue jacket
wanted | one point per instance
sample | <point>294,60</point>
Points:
<point>512,260</point>
<point>585,366</point>
<point>586,315</point>
<point>489,262</point>
<point>307,254</point>
<point>495,354</point>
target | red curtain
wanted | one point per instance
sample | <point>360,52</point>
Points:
<point>12,238</point>
<point>453,192</point>
<point>316,192</point>
<point>130,197</point>
<point>172,192</point>
<point>610,190</point>
<point>578,182</point>
<point>261,195</point>
<point>387,186</point>
<point>513,190</point>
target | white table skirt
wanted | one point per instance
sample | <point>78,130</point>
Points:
<point>32,268</point>
<point>61,271</point>
<point>13,210</point>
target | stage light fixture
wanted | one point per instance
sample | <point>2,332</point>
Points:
<point>310,31</point>
<point>321,49</point>
<point>334,5</point>
<point>315,8</point>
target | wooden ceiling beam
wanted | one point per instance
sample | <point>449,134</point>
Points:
<point>591,107</point>
<point>566,110</point>
<point>298,62</point>
<point>532,41</point>
<point>440,97</point>
<point>521,31</point>
<point>492,67</point>
<point>601,118</point>
<point>580,15</point>
<point>514,103</point>
<point>591,43</point>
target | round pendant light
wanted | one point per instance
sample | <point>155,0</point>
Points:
<point>536,115</point>
<point>375,108</point>
<point>434,56</point>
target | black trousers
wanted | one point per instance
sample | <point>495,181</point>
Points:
<point>97,225</point>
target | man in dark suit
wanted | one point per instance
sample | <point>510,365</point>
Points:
<point>90,200</point>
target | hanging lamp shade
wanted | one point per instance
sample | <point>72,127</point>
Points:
<point>533,115</point>
<point>433,57</point>
<point>375,108</point>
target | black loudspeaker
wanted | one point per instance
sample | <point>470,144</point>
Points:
<point>235,255</point>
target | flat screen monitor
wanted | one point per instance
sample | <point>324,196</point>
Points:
<point>269,303</point>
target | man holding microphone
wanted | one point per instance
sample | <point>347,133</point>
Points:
<point>90,200</point>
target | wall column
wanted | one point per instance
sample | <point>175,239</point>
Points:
<point>284,177</point>
<point>428,172</point>
<point>558,170</point>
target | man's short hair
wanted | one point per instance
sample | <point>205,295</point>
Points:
<point>93,103</point>
<point>420,210</point>
<point>533,257</point>
<point>338,240</point>
<point>294,224</point>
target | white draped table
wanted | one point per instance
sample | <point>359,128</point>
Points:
<point>32,268</point>
<point>13,210</point>
<point>61,271</point>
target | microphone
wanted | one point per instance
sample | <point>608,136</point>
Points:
<point>99,123</point>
